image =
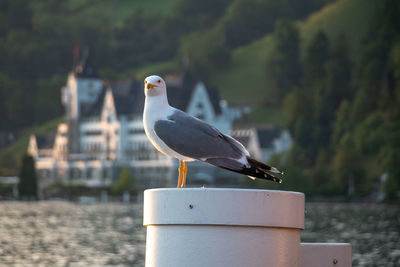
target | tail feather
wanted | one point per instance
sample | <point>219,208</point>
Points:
<point>255,170</point>
<point>263,166</point>
<point>256,173</point>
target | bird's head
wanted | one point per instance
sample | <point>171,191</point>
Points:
<point>154,85</point>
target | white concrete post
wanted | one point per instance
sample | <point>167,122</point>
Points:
<point>222,227</point>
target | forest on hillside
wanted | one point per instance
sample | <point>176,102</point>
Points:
<point>343,114</point>
<point>37,39</point>
<point>342,110</point>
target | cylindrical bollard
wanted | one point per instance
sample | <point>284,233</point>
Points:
<point>222,227</point>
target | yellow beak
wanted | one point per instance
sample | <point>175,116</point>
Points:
<point>149,86</point>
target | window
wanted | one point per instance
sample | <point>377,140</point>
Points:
<point>105,173</point>
<point>92,132</point>
<point>89,173</point>
<point>136,131</point>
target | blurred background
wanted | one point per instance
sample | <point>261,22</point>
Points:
<point>309,86</point>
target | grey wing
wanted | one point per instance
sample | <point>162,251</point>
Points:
<point>196,139</point>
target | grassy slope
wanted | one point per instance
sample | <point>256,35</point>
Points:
<point>245,80</point>
<point>350,17</point>
<point>160,68</point>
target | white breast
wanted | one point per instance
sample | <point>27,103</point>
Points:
<point>154,111</point>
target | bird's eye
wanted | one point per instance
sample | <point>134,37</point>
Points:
<point>145,81</point>
<point>159,81</point>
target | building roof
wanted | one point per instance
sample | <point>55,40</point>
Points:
<point>129,96</point>
<point>128,99</point>
<point>93,110</point>
<point>267,134</point>
<point>85,69</point>
<point>180,90</point>
<point>46,141</point>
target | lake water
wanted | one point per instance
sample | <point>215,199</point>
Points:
<point>70,234</point>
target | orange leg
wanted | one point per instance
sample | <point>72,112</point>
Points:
<point>180,170</point>
<point>185,168</point>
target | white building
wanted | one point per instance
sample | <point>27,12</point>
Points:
<point>103,131</point>
<point>263,141</point>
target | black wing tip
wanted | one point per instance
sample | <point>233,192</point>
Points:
<point>262,166</point>
<point>255,173</point>
<point>276,170</point>
<point>272,178</point>
<point>255,170</point>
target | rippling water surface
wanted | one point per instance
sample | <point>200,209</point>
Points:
<point>69,234</point>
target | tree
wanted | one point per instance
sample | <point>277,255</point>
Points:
<point>334,86</point>
<point>389,157</point>
<point>347,163</point>
<point>307,122</point>
<point>342,122</point>
<point>284,68</point>
<point>125,182</point>
<point>317,55</point>
<point>28,185</point>
<point>339,70</point>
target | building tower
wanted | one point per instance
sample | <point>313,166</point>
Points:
<point>82,89</point>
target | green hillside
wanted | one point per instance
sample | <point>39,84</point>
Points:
<point>114,12</point>
<point>160,68</point>
<point>244,79</point>
<point>349,17</point>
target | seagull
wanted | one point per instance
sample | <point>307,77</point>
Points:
<point>186,138</point>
